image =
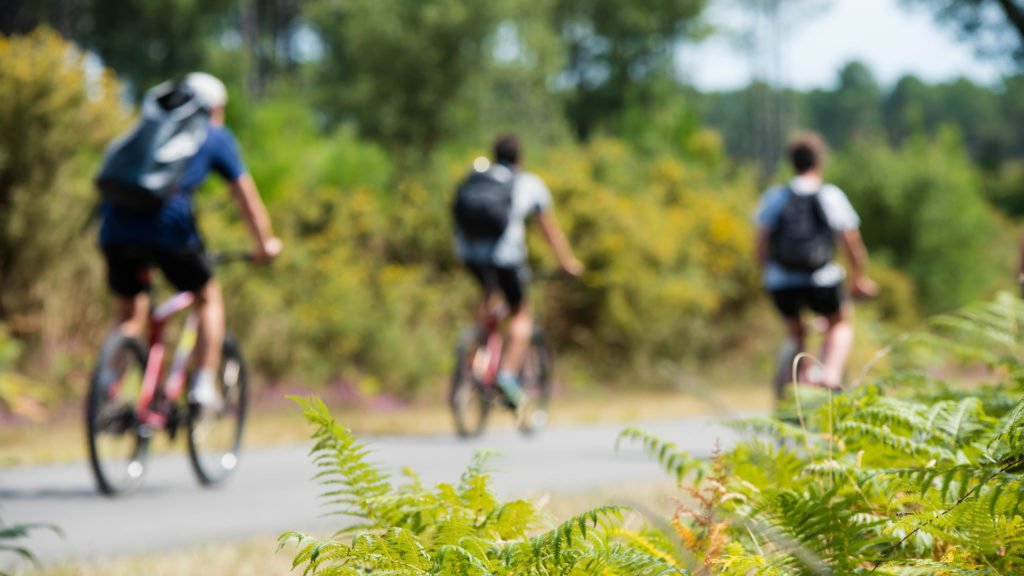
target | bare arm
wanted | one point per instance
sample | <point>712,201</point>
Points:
<point>244,191</point>
<point>556,239</point>
<point>858,256</point>
<point>761,249</point>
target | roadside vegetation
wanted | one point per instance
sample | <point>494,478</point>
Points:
<point>356,124</point>
<point>903,475</point>
<point>369,296</point>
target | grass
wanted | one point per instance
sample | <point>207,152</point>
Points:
<point>274,420</point>
<point>258,557</point>
<point>249,558</point>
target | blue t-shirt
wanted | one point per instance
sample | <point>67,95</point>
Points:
<point>174,227</point>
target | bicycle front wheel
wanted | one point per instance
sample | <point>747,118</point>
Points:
<point>469,403</point>
<point>535,378</point>
<point>118,443</point>
<point>215,438</point>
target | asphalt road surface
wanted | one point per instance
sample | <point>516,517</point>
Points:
<point>272,491</point>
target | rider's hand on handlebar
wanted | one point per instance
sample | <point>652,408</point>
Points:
<point>573,267</point>
<point>268,250</point>
<point>864,287</point>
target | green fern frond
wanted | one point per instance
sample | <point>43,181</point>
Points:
<point>774,428</point>
<point>868,434</point>
<point>12,533</point>
<point>652,544</point>
<point>928,568</point>
<point>761,463</point>
<point>738,561</point>
<point>952,482</point>
<point>672,460</point>
<point>625,560</point>
<point>475,486</point>
<point>397,551</point>
<point>512,520</point>
<point>985,331</point>
<point>1009,435</point>
<point>458,560</point>
<point>563,545</point>
<point>352,482</point>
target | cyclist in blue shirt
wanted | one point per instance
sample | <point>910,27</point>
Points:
<point>171,241</point>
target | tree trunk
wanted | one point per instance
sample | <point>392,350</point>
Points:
<point>251,34</point>
<point>1015,14</point>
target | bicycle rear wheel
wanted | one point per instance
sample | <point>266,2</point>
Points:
<point>118,443</point>
<point>783,375</point>
<point>535,378</point>
<point>467,399</point>
<point>215,439</point>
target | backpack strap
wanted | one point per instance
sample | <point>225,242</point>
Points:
<point>819,208</point>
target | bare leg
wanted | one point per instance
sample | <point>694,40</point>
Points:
<point>520,329</point>
<point>210,304</point>
<point>835,349</point>
<point>797,333</point>
<point>483,310</point>
<point>131,315</point>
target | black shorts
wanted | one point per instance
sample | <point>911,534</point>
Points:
<point>128,267</point>
<point>510,281</point>
<point>826,301</point>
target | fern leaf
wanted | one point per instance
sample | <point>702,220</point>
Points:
<point>673,460</point>
<point>343,466</point>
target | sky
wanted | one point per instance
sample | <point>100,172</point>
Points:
<point>886,35</point>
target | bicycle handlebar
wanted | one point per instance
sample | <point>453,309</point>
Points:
<point>552,276</point>
<point>229,256</point>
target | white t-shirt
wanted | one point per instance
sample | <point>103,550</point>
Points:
<point>529,196</point>
<point>841,218</point>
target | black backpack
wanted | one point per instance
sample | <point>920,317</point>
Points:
<point>142,168</point>
<point>802,238</point>
<point>483,202</point>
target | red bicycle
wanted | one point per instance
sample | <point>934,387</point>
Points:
<point>129,400</point>
<point>474,388</point>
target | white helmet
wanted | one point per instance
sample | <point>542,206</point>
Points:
<point>208,89</point>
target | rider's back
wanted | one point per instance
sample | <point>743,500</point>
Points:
<point>173,226</point>
<point>529,196</point>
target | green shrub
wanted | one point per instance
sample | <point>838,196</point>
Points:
<point>18,394</point>
<point>923,212</point>
<point>369,288</point>
<point>56,115</point>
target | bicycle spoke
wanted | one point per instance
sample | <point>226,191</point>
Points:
<point>117,444</point>
<point>214,439</point>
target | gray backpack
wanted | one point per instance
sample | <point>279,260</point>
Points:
<point>142,168</point>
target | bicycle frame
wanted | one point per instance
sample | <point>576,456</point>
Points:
<point>486,367</point>
<point>496,311</point>
<point>175,382</point>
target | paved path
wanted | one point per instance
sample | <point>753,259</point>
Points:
<point>272,492</point>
